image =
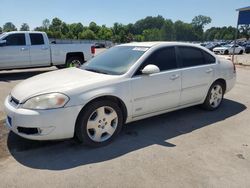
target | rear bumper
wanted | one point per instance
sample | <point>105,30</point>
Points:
<point>42,124</point>
<point>230,83</point>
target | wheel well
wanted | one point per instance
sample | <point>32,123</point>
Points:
<point>120,103</point>
<point>223,82</point>
<point>74,54</point>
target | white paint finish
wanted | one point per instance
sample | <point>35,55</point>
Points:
<point>155,92</point>
<point>195,83</point>
<point>38,55</point>
<point>144,96</point>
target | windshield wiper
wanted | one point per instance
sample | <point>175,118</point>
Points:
<point>94,70</point>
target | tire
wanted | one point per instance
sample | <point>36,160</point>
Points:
<point>74,62</point>
<point>95,131</point>
<point>214,96</point>
<point>241,52</point>
<point>226,52</point>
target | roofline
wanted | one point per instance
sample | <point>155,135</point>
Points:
<point>243,9</point>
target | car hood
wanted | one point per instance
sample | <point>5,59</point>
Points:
<point>57,81</point>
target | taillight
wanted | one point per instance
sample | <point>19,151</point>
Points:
<point>93,50</point>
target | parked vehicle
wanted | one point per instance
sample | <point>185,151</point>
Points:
<point>125,83</point>
<point>228,49</point>
<point>247,48</point>
<point>99,45</point>
<point>32,49</point>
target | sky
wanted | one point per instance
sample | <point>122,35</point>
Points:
<point>33,12</point>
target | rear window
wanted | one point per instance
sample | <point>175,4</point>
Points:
<point>209,58</point>
<point>36,39</point>
<point>191,56</point>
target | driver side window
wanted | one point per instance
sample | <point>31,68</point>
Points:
<point>163,58</point>
<point>15,40</point>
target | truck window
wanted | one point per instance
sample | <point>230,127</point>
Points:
<point>36,39</point>
<point>15,40</point>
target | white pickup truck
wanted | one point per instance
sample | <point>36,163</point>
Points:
<point>33,49</point>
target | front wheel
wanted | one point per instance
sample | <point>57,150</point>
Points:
<point>214,97</point>
<point>99,123</point>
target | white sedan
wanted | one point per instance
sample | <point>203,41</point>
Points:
<point>124,84</point>
<point>229,49</point>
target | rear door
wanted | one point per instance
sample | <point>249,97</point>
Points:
<point>39,50</point>
<point>197,73</point>
<point>15,53</point>
<point>159,91</point>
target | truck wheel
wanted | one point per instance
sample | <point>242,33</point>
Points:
<point>226,52</point>
<point>99,123</point>
<point>241,52</point>
<point>74,62</point>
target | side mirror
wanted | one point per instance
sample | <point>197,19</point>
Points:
<point>3,42</point>
<point>150,69</point>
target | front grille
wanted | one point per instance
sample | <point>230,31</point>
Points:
<point>14,101</point>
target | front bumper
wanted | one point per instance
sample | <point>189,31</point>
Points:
<point>42,124</point>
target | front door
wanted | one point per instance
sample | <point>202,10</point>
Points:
<point>159,91</point>
<point>15,53</point>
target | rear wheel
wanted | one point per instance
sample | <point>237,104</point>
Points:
<point>241,52</point>
<point>226,52</point>
<point>74,62</point>
<point>99,123</point>
<point>214,97</point>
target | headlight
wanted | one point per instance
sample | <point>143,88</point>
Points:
<point>46,101</point>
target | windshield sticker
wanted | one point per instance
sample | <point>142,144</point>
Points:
<point>140,49</point>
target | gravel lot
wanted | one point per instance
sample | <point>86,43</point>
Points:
<point>186,148</point>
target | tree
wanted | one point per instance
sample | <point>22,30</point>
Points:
<point>245,31</point>
<point>24,27</point>
<point>87,34</point>
<point>152,34</point>
<point>55,25</point>
<point>94,27</point>
<point>201,21</point>
<point>167,31</point>
<point>104,33</point>
<point>46,24</point>
<point>76,29</point>
<point>9,26</point>
<point>1,30</point>
<point>148,23</point>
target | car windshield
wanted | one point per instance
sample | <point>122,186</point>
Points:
<point>228,46</point>
<point>115,61</point>
<point>1,35</point>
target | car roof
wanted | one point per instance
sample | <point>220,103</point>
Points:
<point>24,32</point>
<point>151,44</point>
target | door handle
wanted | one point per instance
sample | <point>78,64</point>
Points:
<point>209,70</point>
<point>174,77</point>
<point>24,49</point>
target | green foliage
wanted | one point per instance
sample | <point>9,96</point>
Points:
<point>9,26</point>
<point>220,33</point>
<point>148,29</point>
<point>24,27</point>
<point>87,34</point>
<point>1,30</point>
